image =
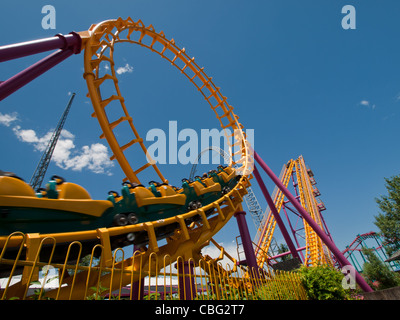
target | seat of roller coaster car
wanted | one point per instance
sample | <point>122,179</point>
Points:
<point>58,188</point>
<point>166,190</point>
<point>201,189</point>
<point>11,186</point>
<point>69,190</point>
<point>17,193</point>
<point>227,174</point>
<point>145,197</point>
<point>209,182</point>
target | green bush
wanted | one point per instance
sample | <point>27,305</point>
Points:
<point>374,270</point>
<point>323,283</point>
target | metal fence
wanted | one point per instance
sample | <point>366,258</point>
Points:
<point>43,270</point>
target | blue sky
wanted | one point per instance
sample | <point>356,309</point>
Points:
<point>292,73</point>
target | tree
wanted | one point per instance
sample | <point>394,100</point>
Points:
<point>388,221</point>
<point>282,248</point>
<point>375,270</point>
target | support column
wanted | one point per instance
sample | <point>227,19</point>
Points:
<point>277,217</point>
<point>247,243</point>
<point>24,77</point>
<point>187,289</point>
<point>28,48</point>
<point>321,233</point>
<point>293,231</point>
<point>138,290</point>
<point>138,286</point>
<point>68,45</point>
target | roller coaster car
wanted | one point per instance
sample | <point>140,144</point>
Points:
<point>139,204</point>
<point>200,192</point>
<point>226,177</point>
<point>68,207</point>
<point>61,207</point>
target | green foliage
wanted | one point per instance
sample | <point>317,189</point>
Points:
<point>39,294</point>
<point>153,296</point>
<point>323,283</point>
<point>282,248</point>
<point>376,270</point>
<point>98,293</point>
<point>388,221</point>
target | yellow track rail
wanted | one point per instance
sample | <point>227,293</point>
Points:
<point>316,251</point>
<point>99,51</point>
<point>266,230</point>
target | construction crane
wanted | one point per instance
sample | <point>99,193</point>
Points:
<point>40,171</point>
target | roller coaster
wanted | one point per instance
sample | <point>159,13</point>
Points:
<point>303,182</point>
<point>62,217</point>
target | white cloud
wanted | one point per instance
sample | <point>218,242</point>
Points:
<point>126,68</point>
<point>368,104</point>
<point>25,135</point>
<point>94,157</point>
<point>7,119</point>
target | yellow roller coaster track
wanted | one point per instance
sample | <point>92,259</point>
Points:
<point>99,43</point>
<point>316,251</point>
<point>266,228</point>
<point>101,40</point>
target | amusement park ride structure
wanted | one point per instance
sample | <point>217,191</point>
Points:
<point>252,203</point>
<point>303,181</point>
<point>370,240</point>
<point>188,231</point>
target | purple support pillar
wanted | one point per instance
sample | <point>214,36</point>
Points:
<point>286,253</point>
<point>330,244</point>
<point>19,80</point>
<point>186,280</point>
<point>291,227</point>
<point>247,243</point>
<point>23,49</point>
<point>69,45</point>
<point>277,217</point>
<point>138,290</point>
